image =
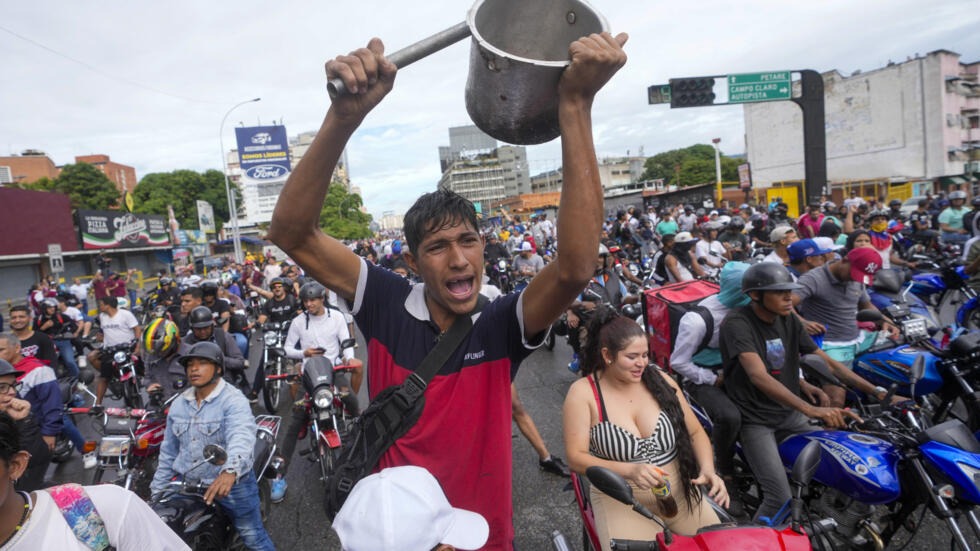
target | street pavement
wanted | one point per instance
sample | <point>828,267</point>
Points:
<point>543,502</point>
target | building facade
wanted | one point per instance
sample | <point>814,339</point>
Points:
<point>915,122</point>
<point>123,176</point>
<point>474,166</point>
<point>30,166</point>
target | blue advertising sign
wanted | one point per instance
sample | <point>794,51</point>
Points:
<point>263,152</point>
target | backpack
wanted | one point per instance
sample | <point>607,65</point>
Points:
<point>663,309</point>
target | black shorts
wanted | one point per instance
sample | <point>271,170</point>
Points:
<point>106,370</point>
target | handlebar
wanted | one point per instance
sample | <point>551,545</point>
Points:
<point>633,545</point>
<point>134,413</point>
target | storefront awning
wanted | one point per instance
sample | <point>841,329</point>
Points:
<point>952,180</point>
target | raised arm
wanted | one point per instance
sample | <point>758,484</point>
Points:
<point>295,226</point>
<point>595,59</point>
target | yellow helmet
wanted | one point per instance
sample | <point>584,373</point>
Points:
<point>161,337</point>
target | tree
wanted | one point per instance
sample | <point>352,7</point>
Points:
<point>341,216</point>
<point>181,189</point>
<point>695,165</point>
<point>86,187</point>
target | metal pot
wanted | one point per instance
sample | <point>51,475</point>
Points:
<point>518,52</point>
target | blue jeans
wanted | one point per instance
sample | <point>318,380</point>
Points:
<point>67,352</point>
<point>69,429</point>
<point>242,506</point>
<point>242,342</point>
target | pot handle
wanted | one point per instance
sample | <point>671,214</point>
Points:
<point>411,54</point>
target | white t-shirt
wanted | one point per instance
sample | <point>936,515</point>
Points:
<point>117,329</point>
<point>773,257</point>
<point>73,313</point>
<point>130,524</point>
<point>80,291</point>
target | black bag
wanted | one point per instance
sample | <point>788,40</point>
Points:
<point>389,416</point>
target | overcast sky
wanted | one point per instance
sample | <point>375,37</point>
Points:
<point>148,83</point>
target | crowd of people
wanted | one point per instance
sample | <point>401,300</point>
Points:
<point>782,282</point>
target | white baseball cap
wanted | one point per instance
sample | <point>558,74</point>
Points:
<point>404,509</point>
<point>525,246</point>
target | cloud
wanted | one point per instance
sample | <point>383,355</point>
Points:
<point>149,84</point>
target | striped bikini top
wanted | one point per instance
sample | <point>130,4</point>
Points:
<point>612,442</point>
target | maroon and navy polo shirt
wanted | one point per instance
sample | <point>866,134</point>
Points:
<point>464,434</point>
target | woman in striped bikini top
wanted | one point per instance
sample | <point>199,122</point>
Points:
<point>632,418</point>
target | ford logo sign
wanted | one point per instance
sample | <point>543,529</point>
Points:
<point>266,172</point>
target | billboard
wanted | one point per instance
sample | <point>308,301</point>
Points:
<point>205,216</point>
<point>121,230</point>
<point>32,220</point>
<point>263,155</point>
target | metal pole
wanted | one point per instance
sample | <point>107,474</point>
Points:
<point>716,141</point>
<point>232,204</point>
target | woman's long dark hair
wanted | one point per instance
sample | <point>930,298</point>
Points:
<point>9,438</point>
<point>851,238</point>
<point>613,332</point>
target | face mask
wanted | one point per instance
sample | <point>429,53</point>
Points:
<point>879,227</point>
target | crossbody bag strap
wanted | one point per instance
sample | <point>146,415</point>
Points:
<point>416,383</point>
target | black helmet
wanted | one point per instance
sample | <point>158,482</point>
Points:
<point>206,350</point>
<point>312,290</point>
<point>164,281</point>
<point>767,276</point>
<point>879,213</point>
<point>737,223</point>
<point>200,317</point>
<point>209,287</point>
<point>894,203</point>
<point>284,281</point>
<point>975,201</point>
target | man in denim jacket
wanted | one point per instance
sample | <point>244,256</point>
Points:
<point>213,412</point>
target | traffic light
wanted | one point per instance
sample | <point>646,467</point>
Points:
<point>692,92</point>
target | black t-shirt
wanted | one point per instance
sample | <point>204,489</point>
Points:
<point>760,234</point>
<point>39,346</point>
<point>60,324</point>
<point>219,307</point>
<point>778,344</point>
<point>495,251</point>
<point>737,241</point>
<point>280,311</point>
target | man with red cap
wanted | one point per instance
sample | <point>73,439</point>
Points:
<point>829,298</point>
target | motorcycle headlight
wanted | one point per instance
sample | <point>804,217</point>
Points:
<point>971,472</point>
<point>502,264</point>
<point>119,357</point>
<point>270,338</point>
<point>323,398</point>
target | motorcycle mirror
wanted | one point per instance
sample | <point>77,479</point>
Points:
<point>806,464</point>
<point>917,368</point>
<point>869,315</point>
<point>815,366</point>
<point>347,343</point>
<point>215,454</point>
<point>610,484</point>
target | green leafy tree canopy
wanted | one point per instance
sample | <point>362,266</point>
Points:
<point>694,165</point>
<point>341,216</point>
<point>86,187</point>
<point>182,189</point>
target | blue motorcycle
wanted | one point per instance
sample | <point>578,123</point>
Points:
<point>951,364</point>
<point>947,286</point>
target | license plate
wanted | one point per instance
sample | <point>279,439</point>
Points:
<point>114,446</point>
<point>323,416</point>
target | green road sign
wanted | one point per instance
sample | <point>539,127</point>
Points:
<point>658,93</point>
<point>751,87</point>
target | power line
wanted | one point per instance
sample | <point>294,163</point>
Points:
<point>104,73</point>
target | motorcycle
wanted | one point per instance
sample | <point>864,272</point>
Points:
<point>947,286</point>
<point>274,363</point>
<point>72,389</point>
<point>126,367</point>
<point>131,442</point>
<point>329,410</point>
<point>499,275</point>
<point>207,527</point>
<point>872,477</point>
<point>726,535</point>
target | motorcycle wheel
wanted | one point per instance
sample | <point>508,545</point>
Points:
<point>131,395</point>
<point>271,390</point>
<point>971,320</point>
<point>144,476</point>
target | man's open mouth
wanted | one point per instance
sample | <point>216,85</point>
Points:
<point>460,288</point>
